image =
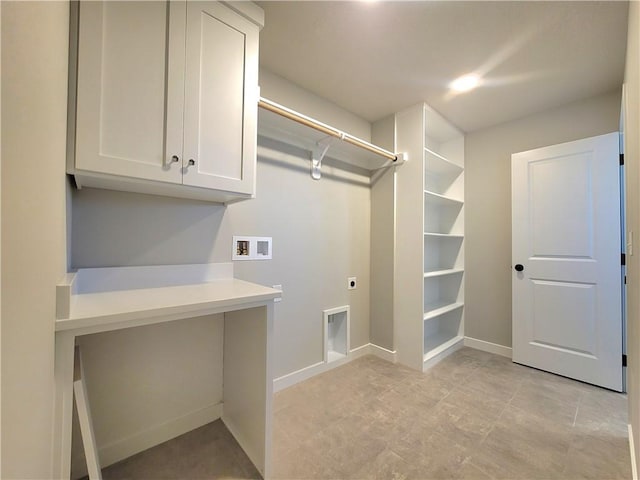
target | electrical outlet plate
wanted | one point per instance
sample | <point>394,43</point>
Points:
<point>251,248</point>
<point>352,283</point>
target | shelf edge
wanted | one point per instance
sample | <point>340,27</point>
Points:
<point>444,197</point>
<point>442,273</point>
<point>436,312</point>
<point>444,235</point>
<point>453,164</point>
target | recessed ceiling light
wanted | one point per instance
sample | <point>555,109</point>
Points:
<point>465,83</point>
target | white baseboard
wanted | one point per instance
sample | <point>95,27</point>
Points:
<point>305,373</point>
<point>358,352</point>
<point>126,447</point>
<point>488,347</point>
<point>383,353</point>
<point>632,449</point>
<point>298,376</point>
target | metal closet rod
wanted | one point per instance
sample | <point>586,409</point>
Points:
<point>311,123</point>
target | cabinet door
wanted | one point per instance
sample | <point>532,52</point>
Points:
<point>130,90</point>
<point>221,90</point>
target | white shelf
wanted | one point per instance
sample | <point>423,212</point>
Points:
<point>292,132</point>
<point>441,273</point>
<point>442,214</point>
<point>436,309</point>
<point>436,344</point>
<point>444,235</point>
<point>102,299</point>
<point>438,165</point>
<point>441,200</point>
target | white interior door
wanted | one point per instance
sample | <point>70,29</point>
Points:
<point>567,313</point>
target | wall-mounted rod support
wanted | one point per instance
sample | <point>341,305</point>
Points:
<point>321,127</point>
<point>317,154</point>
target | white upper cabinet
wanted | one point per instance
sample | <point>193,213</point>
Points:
<point>166,98</point>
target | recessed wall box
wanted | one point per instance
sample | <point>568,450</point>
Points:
<point>251,248</point>
<point>336,333</point>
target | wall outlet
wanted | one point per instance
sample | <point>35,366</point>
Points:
<point>251,248</point>
<point>277,287</point>
<point>352,283</point>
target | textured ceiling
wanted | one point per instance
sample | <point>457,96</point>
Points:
<point>375,59</point>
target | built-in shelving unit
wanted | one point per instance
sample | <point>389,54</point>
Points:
<point>283,124</point>
<point>430,306</point>
<point>444,236</point>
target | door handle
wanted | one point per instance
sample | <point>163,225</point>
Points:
<point>519,267</point>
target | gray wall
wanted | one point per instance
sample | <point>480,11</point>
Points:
<point>632,161</point>
<point>383,240</point>
<point>321,236</point>
<point>488,203</point>
<point>290,95</point>
<point>34,111</point>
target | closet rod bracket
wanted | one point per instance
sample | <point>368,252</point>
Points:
<point>318,153</point>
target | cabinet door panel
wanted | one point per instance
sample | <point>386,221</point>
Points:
<point>220,98</point>
<point>129,98</point>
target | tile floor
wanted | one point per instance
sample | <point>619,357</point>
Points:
<point>474,415</point>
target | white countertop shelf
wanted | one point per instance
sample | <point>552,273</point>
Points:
<point>95,300</point>
<point>108,298</point>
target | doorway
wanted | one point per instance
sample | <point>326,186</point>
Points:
<point>567,293</point>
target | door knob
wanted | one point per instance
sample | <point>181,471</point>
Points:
<point>519,267</point>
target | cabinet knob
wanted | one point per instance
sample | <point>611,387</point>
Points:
<point>519,267</point>
<point>170,160</point>
<point>192,162</point>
